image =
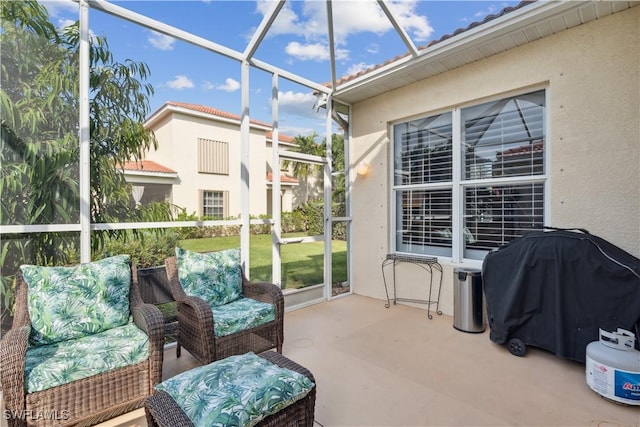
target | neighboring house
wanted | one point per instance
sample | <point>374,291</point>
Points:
<point>197,163</point>
<point>151,182</point>
<point>530,118</point>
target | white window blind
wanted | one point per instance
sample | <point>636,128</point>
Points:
<point>424,151</point>
<point>504,138</point>
<point>495,215</point>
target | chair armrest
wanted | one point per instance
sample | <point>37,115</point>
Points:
<point>149,318</point>
<point>197,309</point>
<point>171,268</point>
<point>195,328</point>
<point>263,291</point>
<point>13,350</point>
<point>269,293</point>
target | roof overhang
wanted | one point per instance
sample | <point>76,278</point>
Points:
<point>519,27</point>
<point>141,177</point>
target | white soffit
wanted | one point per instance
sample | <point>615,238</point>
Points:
<point>521,26</point>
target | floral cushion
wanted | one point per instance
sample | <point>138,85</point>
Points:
<point>61,363</point>
<point>71,302</point>
<point>241,314</point>
<point>236,391</point>
<point>216,277</point>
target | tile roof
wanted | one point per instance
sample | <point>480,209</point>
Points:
<point>212,111</point>
<point>283,178</point>
<point>472,25</point>
<point>146,166</point>
<point>282,138</point>
<point>534,147</point>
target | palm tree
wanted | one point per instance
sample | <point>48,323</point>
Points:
<point>301,170</point>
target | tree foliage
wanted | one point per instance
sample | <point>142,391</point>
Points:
<point>40,150</point>
<point>302,171</point>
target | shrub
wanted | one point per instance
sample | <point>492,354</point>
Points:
<point>148,248</point>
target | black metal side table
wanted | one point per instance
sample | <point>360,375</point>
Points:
<point>429,264</point>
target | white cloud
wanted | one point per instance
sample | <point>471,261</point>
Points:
<point>314,52</point>
<point>352,17</point>
<point>230,85</point>
<point>417,25</point>
<point>356,68</point>
<point>161,41</point>
<point>180,82</point>
<point>285,23</point>
<point>65,22</point>
<point>207,85</point>
<point>373,48</point>
<point>490,9</point>
<point>349,18</point>
<point>57,7</point>
<point>298,130</point>
<point>298,103</point>
<point>308,52</point>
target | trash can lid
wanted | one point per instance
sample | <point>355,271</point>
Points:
<point>466,270</point>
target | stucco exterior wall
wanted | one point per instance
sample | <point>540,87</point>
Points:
<point>592,77</point>
<point>178,136</point>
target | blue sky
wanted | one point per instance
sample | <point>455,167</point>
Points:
<point>296,42</point>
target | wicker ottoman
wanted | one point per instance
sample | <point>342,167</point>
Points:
<point>162,410</point>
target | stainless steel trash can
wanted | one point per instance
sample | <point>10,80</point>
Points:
<point>468,300</point>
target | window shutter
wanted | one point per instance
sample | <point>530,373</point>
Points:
<point>213,157</point>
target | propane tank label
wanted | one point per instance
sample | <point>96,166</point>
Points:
<point>615,384</point>
<point>627,385</point>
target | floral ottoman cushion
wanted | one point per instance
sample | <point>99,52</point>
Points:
<point>236,391</point>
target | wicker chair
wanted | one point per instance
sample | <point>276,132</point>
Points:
<point>196,322</point>
<point>86,401</point>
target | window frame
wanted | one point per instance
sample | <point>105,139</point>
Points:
<point>459,184</point>
<point>225,198</point>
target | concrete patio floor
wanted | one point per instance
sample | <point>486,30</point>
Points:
<point>395,367</point>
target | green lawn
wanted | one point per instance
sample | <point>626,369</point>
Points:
<point>302,264</point>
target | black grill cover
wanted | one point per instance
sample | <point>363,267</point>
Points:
<point>554,289</point>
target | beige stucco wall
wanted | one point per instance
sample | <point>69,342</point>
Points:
<point>592,74</point>
<point>177,139</point>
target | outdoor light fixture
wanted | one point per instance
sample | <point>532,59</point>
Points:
<point>363,169</point>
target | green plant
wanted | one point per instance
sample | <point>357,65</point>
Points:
<point>148,248</point>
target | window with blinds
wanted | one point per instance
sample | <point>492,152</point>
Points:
<point>213,156</point>
<point>424,221</point>
<point>495,215</point>
<point>500,179</point>
<point>423,150</point>
<point>504,138</point>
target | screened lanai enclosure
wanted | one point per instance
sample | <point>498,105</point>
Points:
<point>138,127</point>
<point>75,117</point>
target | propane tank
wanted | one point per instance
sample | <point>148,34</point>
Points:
<point>613,367</point>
